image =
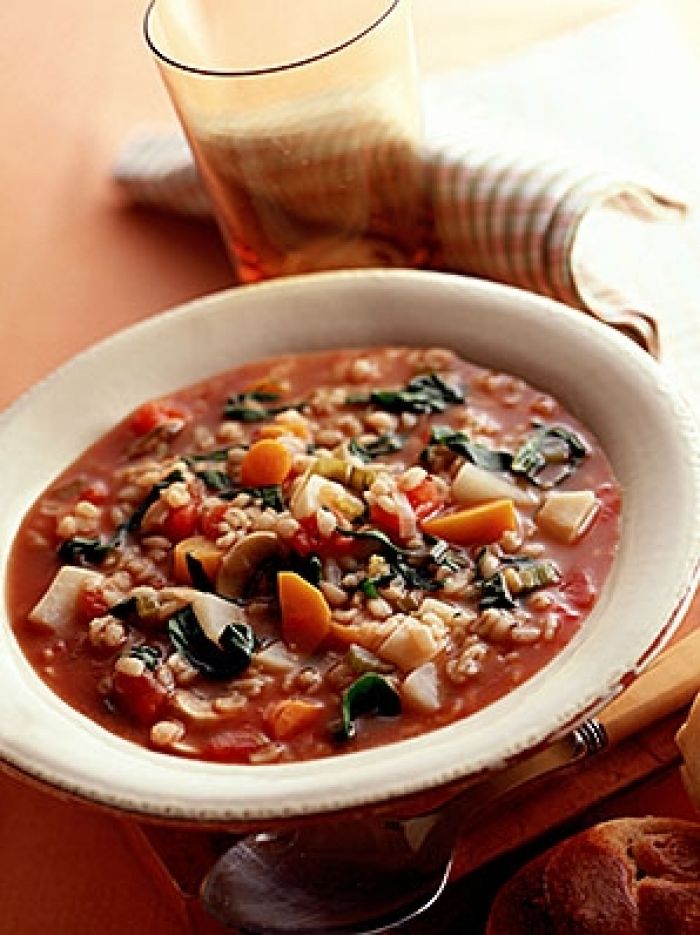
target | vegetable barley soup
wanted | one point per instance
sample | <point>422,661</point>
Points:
<point>315,554</point>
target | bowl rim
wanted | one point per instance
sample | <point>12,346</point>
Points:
<point>401,773</point>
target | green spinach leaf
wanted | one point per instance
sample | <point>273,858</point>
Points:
<point>251,407</point>
<point>92,551</point>
<point>383,445</point>
<point>198,576</point>
<point>460,444</point>
<point>371,693</point>
<point>534,574</point>
<point>423,394</point>
<point>229,657</point>
<point>416,567</point>
<point>550,455</point>
<point>149,655</point>
<point>134,521</point>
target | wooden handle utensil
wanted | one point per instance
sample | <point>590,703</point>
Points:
<point>670,683</point>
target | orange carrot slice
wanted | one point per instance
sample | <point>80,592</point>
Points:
<point>266,462</point>
<point>273,430</point>
<point>292,716</point>
<point>200,548</point>
<point>267,385</point>
<point>306,616</point>
<point>343,635</point>
<point>479,524</point>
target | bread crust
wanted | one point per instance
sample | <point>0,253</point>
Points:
<point>521,906</point>
<point>630,876</point>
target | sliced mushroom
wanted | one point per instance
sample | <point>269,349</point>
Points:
<point>243,560</point>
<point>192,707</point>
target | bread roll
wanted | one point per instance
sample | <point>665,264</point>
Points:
<point>631,876</point>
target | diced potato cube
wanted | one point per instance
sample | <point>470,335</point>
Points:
<point>566,514</point>
<point>278,658</point>
<point>475,485</point>
<point>409,646</point>
<point>56,609</point>
<point>420,688</point>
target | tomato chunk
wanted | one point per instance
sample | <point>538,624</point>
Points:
<point>96,492</point>
<point>307,540</point>
<point>142,697</point>
<point>211,519</point>
<point>233,746</point>
<point>384,520</point>
<point>181,523</point>
<point>610,501</point>
<point>152,414</point>
<point>579,588</point>
<point>425,498</point>
<point>91,603</point>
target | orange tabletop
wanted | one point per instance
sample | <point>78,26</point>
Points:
<point>75,266</point>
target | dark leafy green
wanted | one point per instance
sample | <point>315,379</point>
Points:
<point>369,586</point>
<point>205,457</point>
<point>221,484</point>
<point>216,481</point>
<point>93,551</point>
<point>309,567</point>
<point>125,609</point>
<point>149,655</point>
<point>416,567</point>
<point>198,576</point>
<point>549,455</point>
<point>444,555</point>
<point>383,445</point>
<point>271,497</point>
<point>249,407</point>
<point>460,444</point>
<point>423,394</point>
<point>371,693</point>
<point>229,657</point>
<point>82,551</point>
<point>496,593</point>
<point>534,574</point>
<point>134,521</point>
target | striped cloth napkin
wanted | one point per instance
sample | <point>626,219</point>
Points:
<point>511,217</point>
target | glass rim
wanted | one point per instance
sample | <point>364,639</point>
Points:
<point>267,70</point>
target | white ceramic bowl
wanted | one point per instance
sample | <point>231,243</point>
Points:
<point>601,377</point>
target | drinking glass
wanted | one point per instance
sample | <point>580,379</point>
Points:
<point>304,121</point>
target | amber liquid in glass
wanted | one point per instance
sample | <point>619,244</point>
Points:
<point>305,129</point>
<point>326,193</point>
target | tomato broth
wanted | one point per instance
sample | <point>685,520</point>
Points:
<point>315,554</point>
